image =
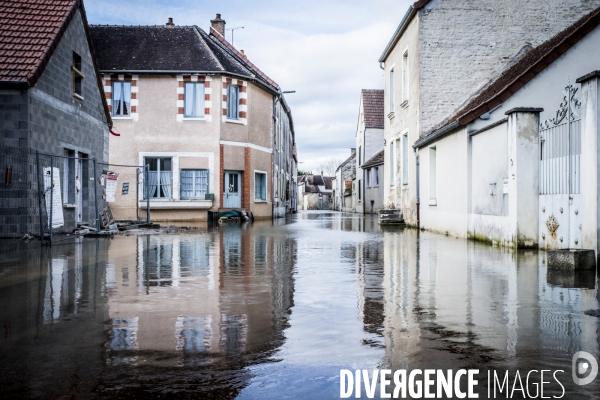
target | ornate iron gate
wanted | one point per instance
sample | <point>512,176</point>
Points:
<point>560,176</point>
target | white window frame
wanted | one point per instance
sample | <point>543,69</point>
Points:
<point>115,112</point>
<point>405,76</point>
<point>433,176</point>
<point>258,200</point>
<point>158,186</point>
<point>194,94</point>
<point>405,156</point>
<point>391,89</point>
<point>376,176</point>
<point>194,170</point>
<point>392,163</point>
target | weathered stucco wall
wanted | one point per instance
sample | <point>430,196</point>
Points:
<point>467,42</point>
<point>403,118</point>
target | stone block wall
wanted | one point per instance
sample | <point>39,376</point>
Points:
<point>465,43</point>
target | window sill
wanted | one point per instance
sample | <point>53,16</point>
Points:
<point>123,117</point>
<point>234,121</point>
<point>194,118</point>
<point>259,201</point>
<point>404,104</point>
<point>170,204</point>
<point>78,97</point>
<point>433,202</point>
<point>69,205</point>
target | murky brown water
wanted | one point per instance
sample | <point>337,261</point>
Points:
<point>275,311</point>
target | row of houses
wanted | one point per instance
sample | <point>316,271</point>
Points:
<point>489,123</point>
<point>211,129</point>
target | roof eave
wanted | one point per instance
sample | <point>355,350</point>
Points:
<point>435,136</point>
<point>410,13</point>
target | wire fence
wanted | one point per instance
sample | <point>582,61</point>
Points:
<point>49,196</point>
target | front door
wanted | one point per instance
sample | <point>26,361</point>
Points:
<point>232,198</point>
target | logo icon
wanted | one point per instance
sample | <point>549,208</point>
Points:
<point>584,368</point>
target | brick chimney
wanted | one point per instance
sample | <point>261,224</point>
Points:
<point>218,24</point>
<point>170,23</point>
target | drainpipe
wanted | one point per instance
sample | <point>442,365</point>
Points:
<point>418,182</point>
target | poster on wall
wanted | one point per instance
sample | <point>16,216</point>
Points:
<point>53,197</point>
<point>111,187</point>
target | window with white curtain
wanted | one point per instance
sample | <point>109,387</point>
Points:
<point>160,177</point>
<point>260,186</point>
<point>121,99</point>
<point>233,95</point>
<point>392,164</point>
<point>405,76</point>
<point>194,100</point>
<point>194,183</point>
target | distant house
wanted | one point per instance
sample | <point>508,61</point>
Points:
<point>369,142</point>
<point>373,172</point>
<point>51,101</point>
<point>345,176</point>
<point>214,130</point>
<point>315,192</point>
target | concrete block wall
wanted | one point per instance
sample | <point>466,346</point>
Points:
<point>14,118</point>
<point>465,43</point>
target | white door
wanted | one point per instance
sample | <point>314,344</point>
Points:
<point>78,188</point>
<point>232,198</point>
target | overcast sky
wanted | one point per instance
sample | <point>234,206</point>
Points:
<point>326,50</point>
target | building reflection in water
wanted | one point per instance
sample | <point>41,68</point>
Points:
<point>453,304</point>
<point>199,297</point>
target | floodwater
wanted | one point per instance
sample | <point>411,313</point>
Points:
<point>276,311</point>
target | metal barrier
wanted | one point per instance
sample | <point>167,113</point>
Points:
<point>50,195</point>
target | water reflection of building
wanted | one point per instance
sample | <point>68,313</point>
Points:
<point>455,304</point>
<point>218,292</point>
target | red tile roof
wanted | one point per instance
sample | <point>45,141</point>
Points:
<point>31,30</point>
<point>373,108</point>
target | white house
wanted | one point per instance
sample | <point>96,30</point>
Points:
<point>518,164</point>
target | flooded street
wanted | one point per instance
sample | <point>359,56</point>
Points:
<point>276,311</point>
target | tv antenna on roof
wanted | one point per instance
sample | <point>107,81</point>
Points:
<point>233,29</point>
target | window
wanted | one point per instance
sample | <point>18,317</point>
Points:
<point>160,177</point>
<point>368,178</point>
<point>392,90</point>
<point>359,190</point>
<point>121,99</point>
<point>392,162</point>
<point>194,183</point>
<point>77,76</point>
<point>376,176</point>
<point>405,76</point>
<point>69,177</point>
<point>359,156</point>
<point>194,100</point>
<point>233,94</point>
<point>432,176</point>
<point>405,159</point>
<point>260,186</point>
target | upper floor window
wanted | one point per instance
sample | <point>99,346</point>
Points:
<point>121,99</point>
<point>405,76</point>
<point>391,90</point>
<point>233,96</point>
<point>194,100</point>
<point>77,76</point>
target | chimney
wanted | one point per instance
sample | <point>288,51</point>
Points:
<point>170,23</point>
<point>352,151</point>
<point>242,51</point>
<point>218,24</point>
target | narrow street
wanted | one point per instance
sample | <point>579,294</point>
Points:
<point>265,311</point>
